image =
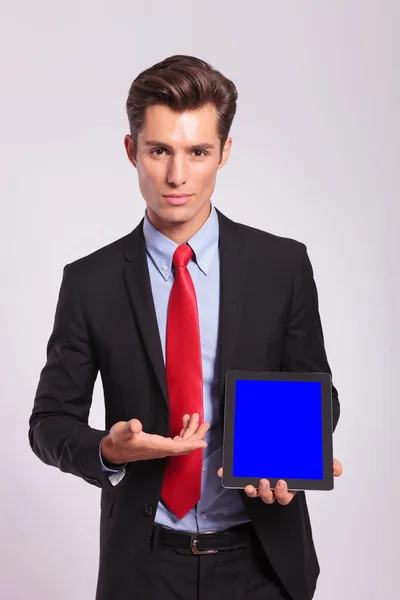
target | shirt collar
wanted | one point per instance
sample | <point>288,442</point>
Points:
<point>204,243</point>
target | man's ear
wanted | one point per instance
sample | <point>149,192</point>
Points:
<point>130,149</point>
<point>225,152</point>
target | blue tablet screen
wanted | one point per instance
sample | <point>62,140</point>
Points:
<point>278,430</point>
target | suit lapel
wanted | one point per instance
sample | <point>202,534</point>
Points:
<point>138,285</point>
<point>232,285</point>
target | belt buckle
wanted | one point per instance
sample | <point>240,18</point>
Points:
<point>193,543</point>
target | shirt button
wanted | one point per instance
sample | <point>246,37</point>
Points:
<point>165,267</point>
<point>204,263</point>
<point>204,468</point>
<point>204,515</point>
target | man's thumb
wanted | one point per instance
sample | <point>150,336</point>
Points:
<point>134,426</point>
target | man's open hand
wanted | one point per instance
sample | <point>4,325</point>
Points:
<point>280,492</point>
<point>127,442</point>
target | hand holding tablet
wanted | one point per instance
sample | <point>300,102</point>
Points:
<point>280,493</point>
<point>278,426</point>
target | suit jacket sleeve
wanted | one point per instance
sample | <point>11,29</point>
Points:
<point>59,433</point>
<point>303,347</point>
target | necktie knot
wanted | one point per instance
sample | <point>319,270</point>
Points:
<point>182,255</point>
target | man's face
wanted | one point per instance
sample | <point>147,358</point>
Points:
<point>177,159</point>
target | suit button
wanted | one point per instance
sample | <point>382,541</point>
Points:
<point>148,510</point>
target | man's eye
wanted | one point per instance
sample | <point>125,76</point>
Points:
<point>201,152</point>
<point>158,151</point>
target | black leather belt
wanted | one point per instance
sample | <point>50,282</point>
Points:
<point>204,542</point>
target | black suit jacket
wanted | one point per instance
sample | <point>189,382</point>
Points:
<point>105,322</point>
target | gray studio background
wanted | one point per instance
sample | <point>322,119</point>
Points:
<point>314,157</point>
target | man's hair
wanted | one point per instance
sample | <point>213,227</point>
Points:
<point>182,83</point>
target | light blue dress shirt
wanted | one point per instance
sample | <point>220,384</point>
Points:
<point>218,508</point>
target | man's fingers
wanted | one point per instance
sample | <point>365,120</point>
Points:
<point>337,468</point>
<point>251,491</point>
<point>202,430</point>
<point>194,431</point>
<point>280,492</point>
<point>192,441</point>
<point>265,492</point>
<point>192,426</point>
<point>185,421</point>
<point>283,495</point>
<point>186,446</point>
<point>220,472</point>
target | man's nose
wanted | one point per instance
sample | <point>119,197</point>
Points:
<point>177,171</point>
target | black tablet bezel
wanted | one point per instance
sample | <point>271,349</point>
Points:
<point>228,480</point>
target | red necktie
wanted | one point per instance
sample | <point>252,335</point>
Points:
<point>182,478</point>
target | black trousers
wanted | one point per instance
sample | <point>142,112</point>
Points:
<point>242,574</point>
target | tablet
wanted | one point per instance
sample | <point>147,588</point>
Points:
<point>278,425</point>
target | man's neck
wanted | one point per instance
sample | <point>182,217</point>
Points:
<point>180,232</point>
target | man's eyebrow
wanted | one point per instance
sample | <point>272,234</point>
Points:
<point>204,146</point>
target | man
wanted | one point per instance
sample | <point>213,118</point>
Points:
<point>162,314</point>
